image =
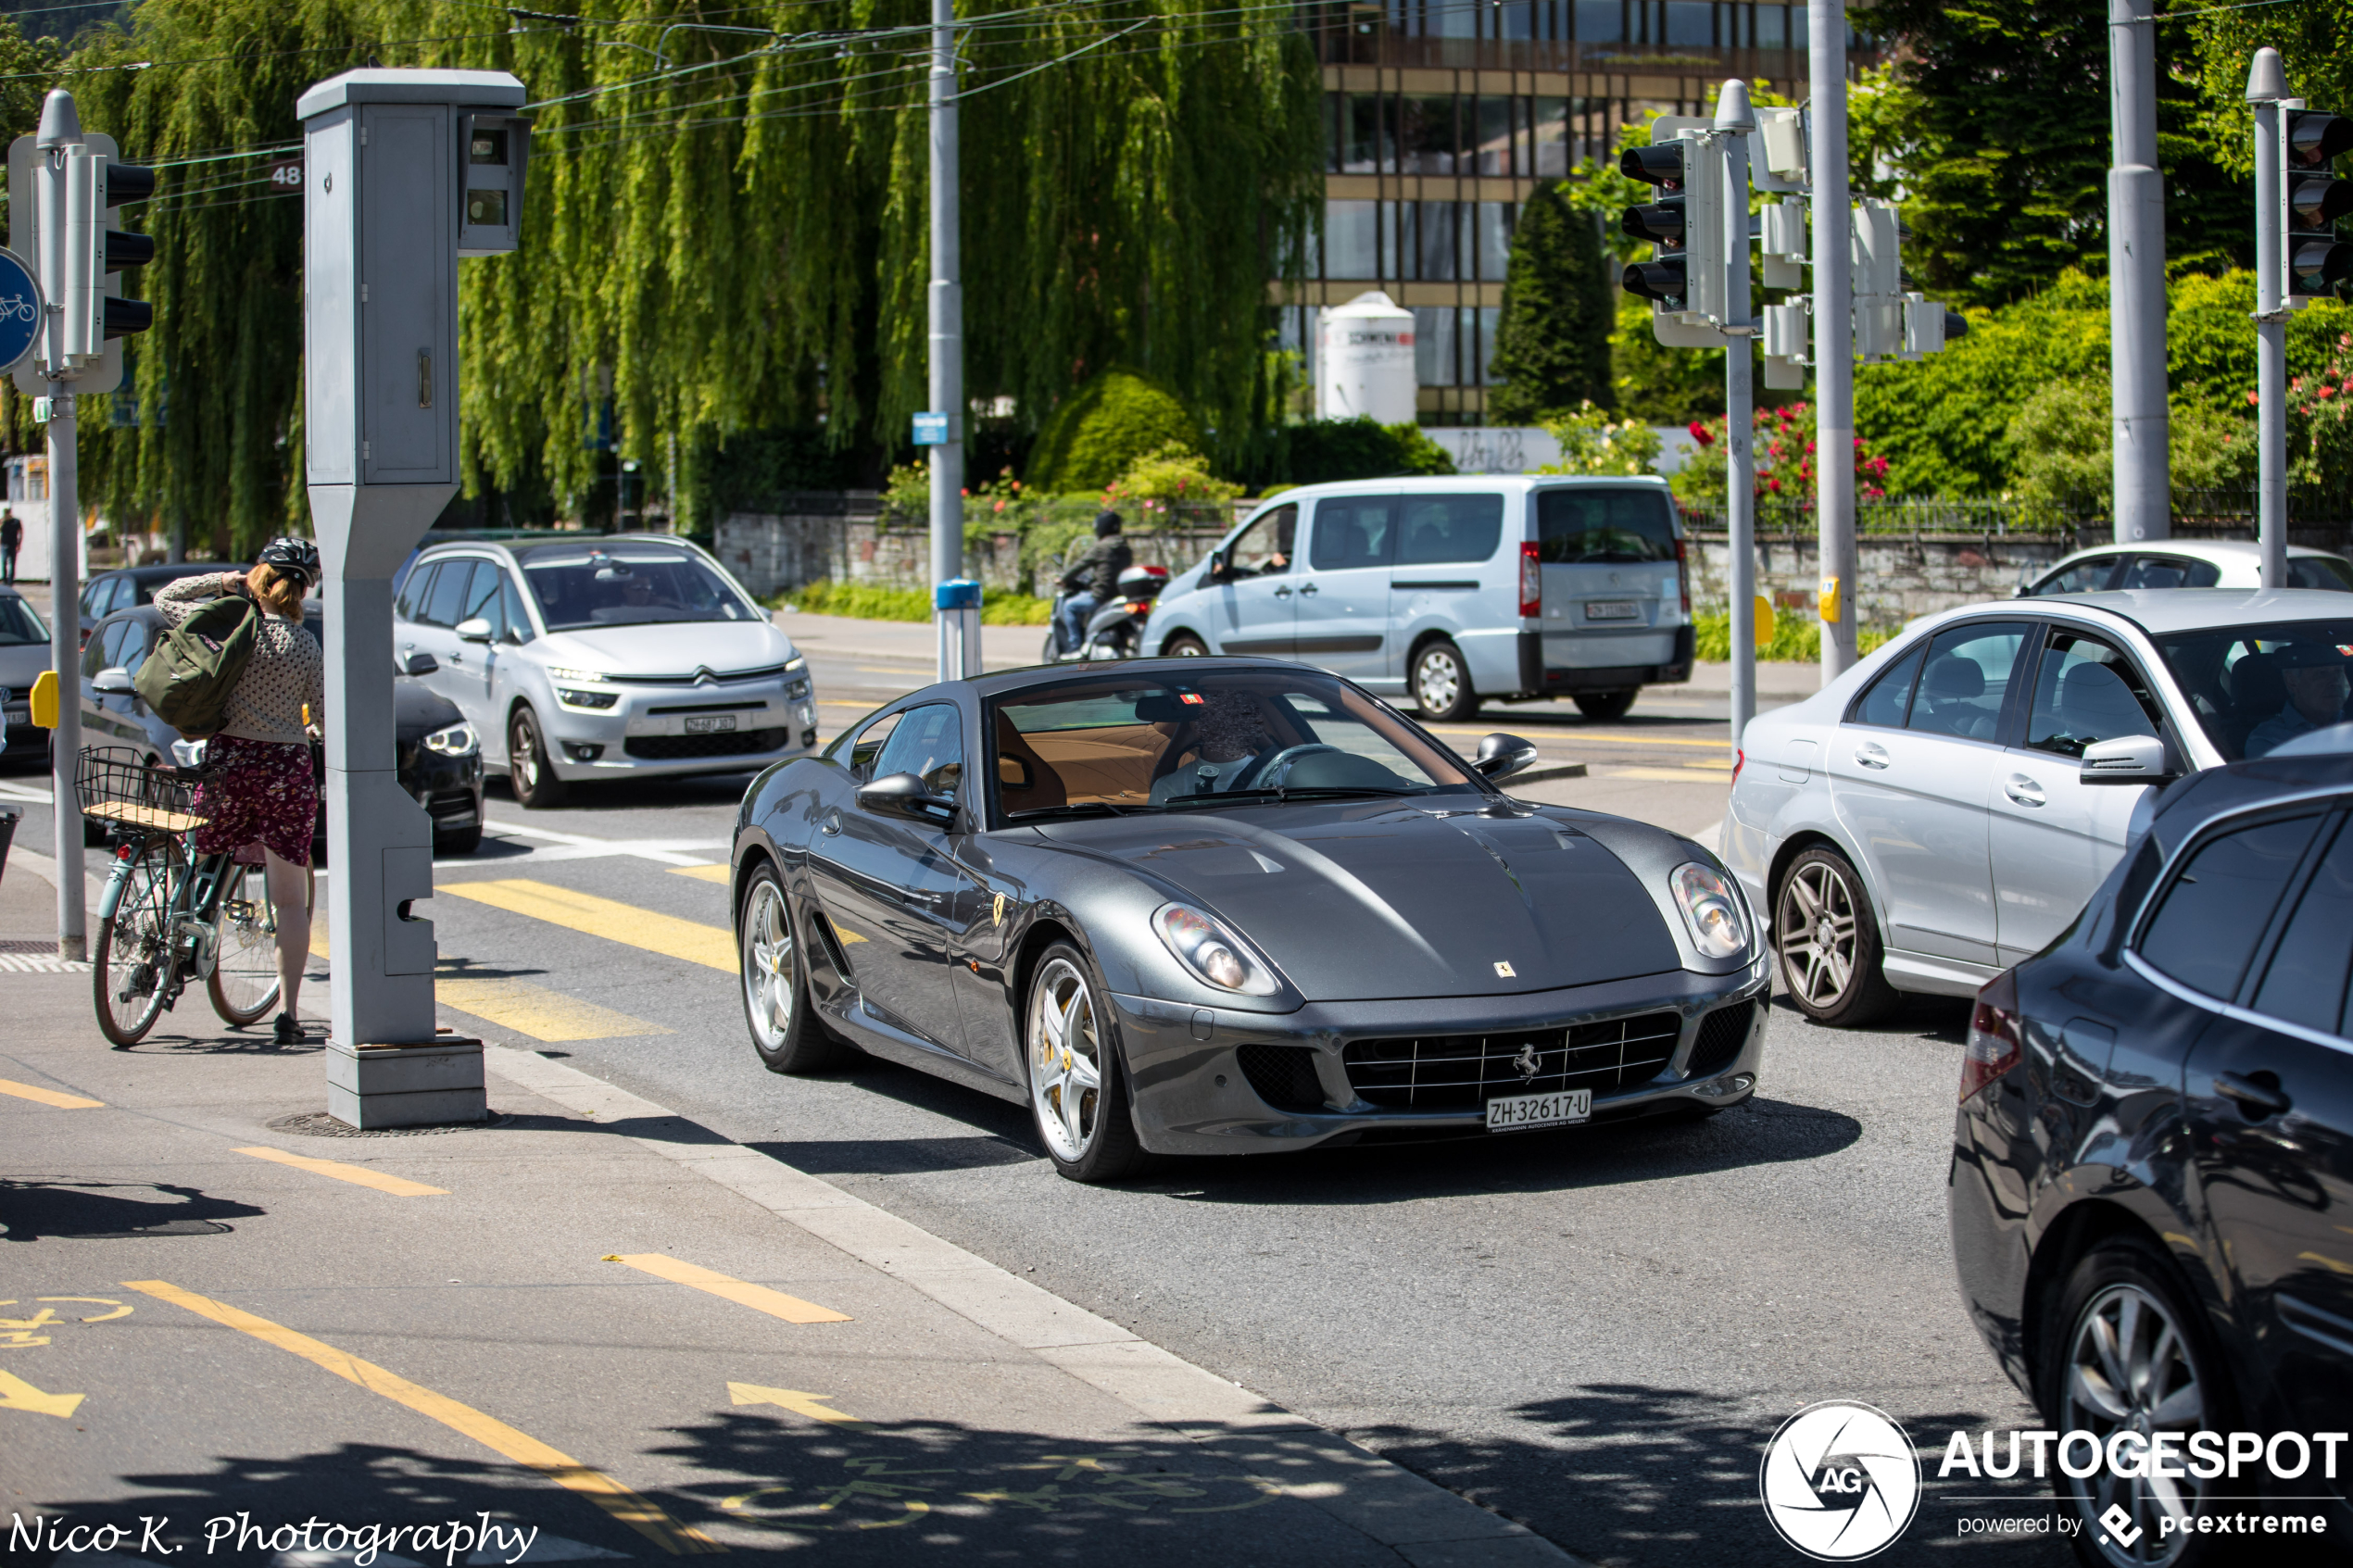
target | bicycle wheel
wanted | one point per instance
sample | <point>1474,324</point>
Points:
<point>244,974</point>
<point>131,973</point>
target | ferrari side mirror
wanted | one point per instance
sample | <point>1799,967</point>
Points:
<point>1501,756</point>
<point>906,795</point>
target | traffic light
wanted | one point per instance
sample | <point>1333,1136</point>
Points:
<point>1684,279</point>
<point>96,311</point>
<point>2318,263</point>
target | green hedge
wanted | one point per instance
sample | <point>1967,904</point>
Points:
<point>1797,638</point>
<point>866,602</point>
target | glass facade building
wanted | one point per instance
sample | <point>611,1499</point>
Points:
<point>1441,116</point>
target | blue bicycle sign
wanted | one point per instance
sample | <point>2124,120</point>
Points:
<point>19,310</point>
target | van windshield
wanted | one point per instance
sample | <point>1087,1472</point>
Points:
<point>1596,524</point>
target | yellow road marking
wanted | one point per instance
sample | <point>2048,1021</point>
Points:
<point>48,1097</point>
<point>792,1399</point>
<point>1668,776</point>
<point>640,1514</point>
<point>709,945</point>
<point>705,873</point>
<point>358,1175</point>
<point>759,1298</point>
<point>537,1012</point>
<point>16,1393</point>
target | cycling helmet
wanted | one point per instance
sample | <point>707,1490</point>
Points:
<point>289,554</point>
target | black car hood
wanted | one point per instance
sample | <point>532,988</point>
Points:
<point>418,711</point>
<point>1374,901</point>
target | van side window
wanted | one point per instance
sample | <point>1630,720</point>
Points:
<point>1353,531</point>
<point>518,618</point>
<point>1592,523</point>
<point>1449,530</point>
<point>1263,550</point>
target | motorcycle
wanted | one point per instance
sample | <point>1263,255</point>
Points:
<point>1116,629</point>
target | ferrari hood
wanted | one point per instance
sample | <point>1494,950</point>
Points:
<point>1377,902</point>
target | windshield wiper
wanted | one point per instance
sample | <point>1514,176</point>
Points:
<point>1282,793</point>
<point>1081,809</point>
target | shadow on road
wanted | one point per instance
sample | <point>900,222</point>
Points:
<point>33,1209</point>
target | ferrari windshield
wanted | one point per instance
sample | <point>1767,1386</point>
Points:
<point>627,586</point>
<point>1219,737</point>
<point>2257,687</point>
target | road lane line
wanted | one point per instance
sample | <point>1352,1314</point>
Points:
<point>712,946</point>
<point>759,1298</point>
<point>537,1012</point>
<point>705,873</point>
<point>1665,776</point>
<point>640,1514</point>
<point>48,1097</point>
<point>358,1175</point>
<point>792,1399</point>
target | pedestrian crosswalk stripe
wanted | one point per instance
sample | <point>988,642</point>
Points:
<point>641,1515</point>
<point>712,946</point>
<point>759,1298</point>
<point>537,1012</point>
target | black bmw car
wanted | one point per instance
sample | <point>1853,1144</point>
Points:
<point>1221,906</point>
<point>2152,1176</point>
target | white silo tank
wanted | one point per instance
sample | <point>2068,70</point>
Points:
<point>1365,363</point>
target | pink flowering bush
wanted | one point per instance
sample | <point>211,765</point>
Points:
<point>1785,456</point>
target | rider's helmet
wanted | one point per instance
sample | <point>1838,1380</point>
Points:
<point>298,557</point>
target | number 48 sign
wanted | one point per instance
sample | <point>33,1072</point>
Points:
<point>286,174</point>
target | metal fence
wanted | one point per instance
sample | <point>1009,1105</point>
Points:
<point>2315,517</point>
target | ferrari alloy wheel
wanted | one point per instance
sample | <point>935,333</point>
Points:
<point>1828,942</point>
<point>2134,1362</point>
<point>1441,683</point>
<point>787,1035</point>
<point>1076,1091</point>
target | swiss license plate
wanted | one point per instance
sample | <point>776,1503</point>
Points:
<point>709,723</point>
<point>1613,609</point>
<point>1515,1113</point>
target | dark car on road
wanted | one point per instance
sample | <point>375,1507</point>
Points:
<point>1227,906</point>
<point>2152,1175</point>
<point>24,654</point>
<point>131,587</point>
<point>438,756</point>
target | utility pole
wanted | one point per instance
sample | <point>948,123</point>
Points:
<point>1736,123</point>
<point>946,342</point>
<point>2143,501</point>
<point>1833,336</point>
<point>2266,85</point>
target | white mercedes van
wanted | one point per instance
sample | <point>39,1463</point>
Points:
<point>1451,590</point>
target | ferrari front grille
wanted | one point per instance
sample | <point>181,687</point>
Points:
<point>1464,1071</point>
<point>1721,1035</point>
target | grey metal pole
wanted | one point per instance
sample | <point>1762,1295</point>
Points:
<point>65,657</point>
<point>2136,278</point>
<point>1734,118</point>
<point>1834,330</point>
<point>947,343</point>
<point>2266,85</point>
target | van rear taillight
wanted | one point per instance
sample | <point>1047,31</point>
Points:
<point>1531,582</point>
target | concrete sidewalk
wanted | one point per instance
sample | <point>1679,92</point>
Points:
<point>594,1319</point>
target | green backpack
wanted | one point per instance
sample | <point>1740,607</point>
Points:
<point>187,680</point>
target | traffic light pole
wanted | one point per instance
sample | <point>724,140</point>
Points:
<point>65,657</point>
<point>947,343</point>
<point>1833,336</point>
<point>2266,85</point>
<point>1735,120</point>
<point>2143,501</point>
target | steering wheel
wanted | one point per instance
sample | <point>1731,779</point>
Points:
<point>1266,773</point>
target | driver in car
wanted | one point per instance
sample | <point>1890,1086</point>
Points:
<point>1229,735</point>
<point>2316,691</point>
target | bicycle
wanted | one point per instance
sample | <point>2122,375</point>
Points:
<point>169,916</point>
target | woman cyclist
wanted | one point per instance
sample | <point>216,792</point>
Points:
<point>261,789</point>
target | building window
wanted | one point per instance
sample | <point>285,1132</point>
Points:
<point>1691,24</point>
<point>1434,257</point>
<point>1489,317</point>
<point>1600,21</point>
<point>1360,140</point>
<point>1352,239</point>
<point>1434,344</point>
<point>1426,135</point>
<point>1516,20</point>
<point>1772,27</point>
<point>1494,135</point>
<point>1494,224</point>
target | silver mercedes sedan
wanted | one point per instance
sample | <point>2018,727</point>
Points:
<point>602,657</point>
<point>1946,807</point>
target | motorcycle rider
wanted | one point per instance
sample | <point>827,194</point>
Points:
<point>1096,578</point>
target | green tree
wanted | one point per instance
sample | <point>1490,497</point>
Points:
<point>1551,347</point>
<point>1993,121</point>
<point>1102,429</point>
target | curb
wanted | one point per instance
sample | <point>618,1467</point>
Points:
<point>1544,771</point>
<point>1427,1525</point>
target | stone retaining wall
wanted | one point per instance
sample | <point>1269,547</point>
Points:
<point>1899,578</point>
<point>769,551</point>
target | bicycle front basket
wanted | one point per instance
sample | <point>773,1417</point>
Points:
<point>114,785</point>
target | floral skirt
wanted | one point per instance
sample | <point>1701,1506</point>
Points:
<point>260,792</point>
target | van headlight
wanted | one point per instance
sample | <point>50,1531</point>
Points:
<point>456,740</point>
<point>1213,953</point>
<point>1711,910</point>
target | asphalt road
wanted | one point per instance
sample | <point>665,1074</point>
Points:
<point>1591,1332</point>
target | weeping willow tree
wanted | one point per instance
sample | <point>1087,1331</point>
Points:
<point>725,229</point>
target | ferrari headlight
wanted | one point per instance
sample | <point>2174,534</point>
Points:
<point>1212,952</point>
<point>456,740</point>
<point>1711,910</point>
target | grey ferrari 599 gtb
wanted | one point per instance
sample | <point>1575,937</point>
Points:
<point>1222,905</point>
